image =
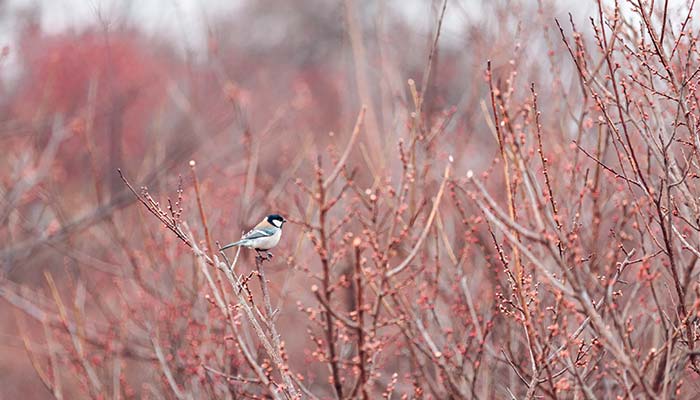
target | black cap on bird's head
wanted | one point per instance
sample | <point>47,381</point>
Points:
<point>276,220</point>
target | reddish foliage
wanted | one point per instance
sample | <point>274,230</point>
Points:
<point>521,227</point>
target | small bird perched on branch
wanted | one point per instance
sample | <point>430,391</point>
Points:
<point>263,236</point>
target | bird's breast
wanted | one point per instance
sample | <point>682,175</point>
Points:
<point>268,242</point>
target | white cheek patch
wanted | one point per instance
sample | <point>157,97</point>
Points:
<point>277,223</point>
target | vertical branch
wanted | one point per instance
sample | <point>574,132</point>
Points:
<point>322,239</point>
<point>44,377</point>
<point>360,310</point>
<point>329,320</point>
<point>519,273</point>
<point>200,207</point>
<point>663,23</point>
<point>270,322</point>
<point>431,57</point>
<point>359,52</point>
<point>543,159</point>
<point>77,342</point>
<point>167,371</point>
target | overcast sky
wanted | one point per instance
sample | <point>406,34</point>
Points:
<point>185,20</point>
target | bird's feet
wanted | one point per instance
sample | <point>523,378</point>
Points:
<point>260,257</point>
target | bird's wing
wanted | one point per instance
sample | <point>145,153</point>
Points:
<point>259,233</point>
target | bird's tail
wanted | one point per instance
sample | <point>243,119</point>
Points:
<point>234,244</point>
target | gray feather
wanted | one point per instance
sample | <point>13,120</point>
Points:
<point>253,234</point>
<point>259,233</point>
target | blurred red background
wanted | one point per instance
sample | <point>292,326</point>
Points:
<point>254,93</point>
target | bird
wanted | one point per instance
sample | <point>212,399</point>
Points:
<point>263,237</point>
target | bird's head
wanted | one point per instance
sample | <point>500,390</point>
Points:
<point>276,220</point>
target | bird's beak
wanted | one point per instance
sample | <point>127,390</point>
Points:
<point>284,220</point>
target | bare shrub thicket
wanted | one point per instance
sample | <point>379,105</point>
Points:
<point>536,235</point>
